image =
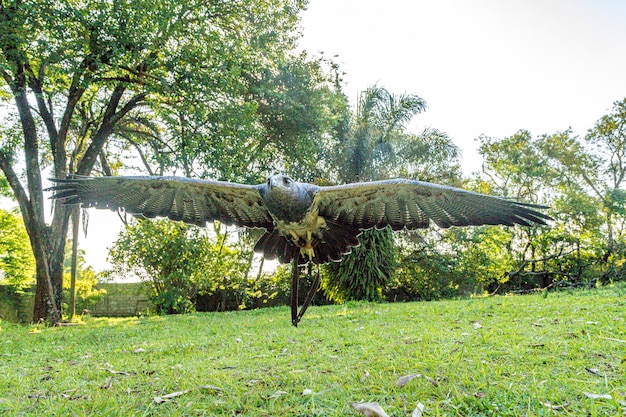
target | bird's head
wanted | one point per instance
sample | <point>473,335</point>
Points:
<point>281,181</point>
<point>286,198</point>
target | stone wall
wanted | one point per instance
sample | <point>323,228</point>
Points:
<point>120,299</point>
<point>17,306</point>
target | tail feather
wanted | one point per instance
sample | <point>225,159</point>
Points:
<point>273,245</point>
<point>337,240</point>
<point>329,245</point>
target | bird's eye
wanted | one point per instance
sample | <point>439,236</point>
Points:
<point>286,181</point>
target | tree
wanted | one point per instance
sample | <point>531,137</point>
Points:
<point>514,167</point>
<point>589,176</point>
<point>583,180</point>
<point>303,111</point>
<point>425,268</point>
<point>379,121</point>
<point>17,265</point>
<point>608,141</point>
<point>363,273</point>
<point>428,156</point>
<point>85,80</point>
<point>286,113</point>
<point>367,154</point>
<point>179,261</point>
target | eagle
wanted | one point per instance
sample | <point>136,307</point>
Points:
<point>303,222</point>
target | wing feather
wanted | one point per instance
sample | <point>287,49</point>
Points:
<point>402,203</point>
<point>393,215</point>
<point>189,200</point>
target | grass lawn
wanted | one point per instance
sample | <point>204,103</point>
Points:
<point>498,356</point>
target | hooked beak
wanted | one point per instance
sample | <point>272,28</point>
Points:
<point>278,181</point>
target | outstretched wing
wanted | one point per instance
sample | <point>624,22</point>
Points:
<point>188,200</point>
<point>402,203</point>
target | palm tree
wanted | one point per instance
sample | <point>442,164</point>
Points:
<point>368,154</point>
<point>380,118</point>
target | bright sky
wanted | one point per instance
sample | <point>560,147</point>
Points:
<point>484,67</point>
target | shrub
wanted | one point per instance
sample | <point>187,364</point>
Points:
<point>364,273</point>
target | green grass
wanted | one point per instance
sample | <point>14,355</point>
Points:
<point>529,351</point>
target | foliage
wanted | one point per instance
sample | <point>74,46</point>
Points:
<point>367,148</point>
<point>162,254</point>
<point>86,280</point>
<point>179,262</point>
<point>302,109</point>
<point>582,179</point>
<point>15,304</point>
<point>5,190</point>
<point>428,156</point>
<point>189,268</point>
<point>485,257</point>
<point>17,265</point>
<point>425,276</point>
<point>260,291</point>
<point>86,82</point>
<point>212,89</point>
<point>363,274</point>
<point>379,122</point>
<point>515,166</point>
<point>377,147</point>
<point>506,356</point>
<point>285,112</point>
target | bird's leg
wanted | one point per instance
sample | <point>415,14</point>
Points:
<point>294,289</point>
<point>309,296</point>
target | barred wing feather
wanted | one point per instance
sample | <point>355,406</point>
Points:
<point>189,200</point>
<point>412,205</point>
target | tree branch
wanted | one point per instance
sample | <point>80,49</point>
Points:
<point>110,118</point>
<point>592,185</point>
<point>31,145</point>
<point>34,82</point>
<point>75,93</point>
<point>106,168</point>
<point>142,156</point>
<point>16,185</point>
<point>525,262</point>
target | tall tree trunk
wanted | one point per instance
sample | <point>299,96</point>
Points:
<point>48,244</point>
<point>75,228</point>
<point>47,288</point>
<point>260,272</point>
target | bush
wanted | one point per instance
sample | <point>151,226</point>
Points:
<point>17,264</point>
<point>364,273</point>
<point>266,290</point>
<point>181,263</point>
<point>170,256</point>
<point>430,276</point>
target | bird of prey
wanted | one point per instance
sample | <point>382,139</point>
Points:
<point>303,222</point>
